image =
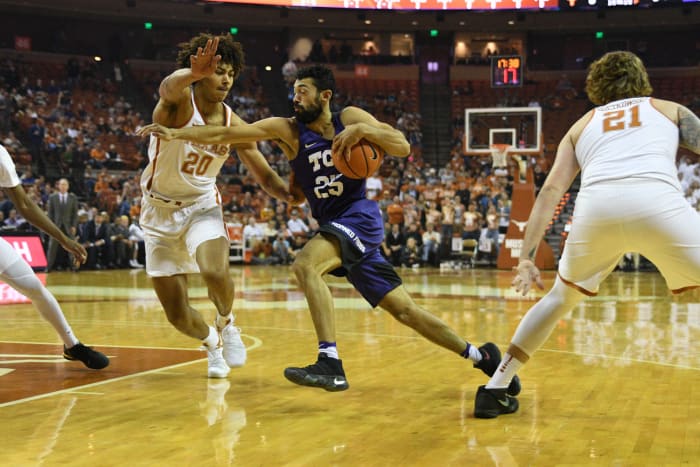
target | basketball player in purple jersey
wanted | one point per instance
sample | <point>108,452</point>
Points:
<point>351,227</point>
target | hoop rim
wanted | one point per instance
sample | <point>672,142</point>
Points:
<point>501,147</point>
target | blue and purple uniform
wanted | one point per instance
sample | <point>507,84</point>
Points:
<point>341,207</point>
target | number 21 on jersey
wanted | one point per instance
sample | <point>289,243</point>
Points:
<point>616,120</point>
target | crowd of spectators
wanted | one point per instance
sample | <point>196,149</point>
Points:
<point>48,123</point>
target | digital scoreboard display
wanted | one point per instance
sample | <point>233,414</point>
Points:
<point>506,71</point>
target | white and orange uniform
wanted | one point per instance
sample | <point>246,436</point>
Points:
<point>8,179</point>
<point>630,199</point>
<point>181,205</point>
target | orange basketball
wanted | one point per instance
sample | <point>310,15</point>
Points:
<point>365,159</point>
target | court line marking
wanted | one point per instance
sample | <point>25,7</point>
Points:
<point>257,342</point>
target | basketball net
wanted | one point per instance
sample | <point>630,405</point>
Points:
<point>498,155</point>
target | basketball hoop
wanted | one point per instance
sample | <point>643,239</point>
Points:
<point>498,155</point>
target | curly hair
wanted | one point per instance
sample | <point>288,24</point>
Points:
<point>231,51</point>
<point>321,76</point>
<point>617,75</point>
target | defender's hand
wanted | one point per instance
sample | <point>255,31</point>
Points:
<point>525,274</point>
<point>78,251</point>
<point>158,130</point>
<point>205,61</point>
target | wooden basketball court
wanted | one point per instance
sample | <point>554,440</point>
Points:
<point>616,384</point>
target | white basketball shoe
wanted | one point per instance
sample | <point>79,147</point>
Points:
<point>234,350</point>
<point>217,367</point>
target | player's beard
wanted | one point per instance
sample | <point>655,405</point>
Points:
<point>309,114</point>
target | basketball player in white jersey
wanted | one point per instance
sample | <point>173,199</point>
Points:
<point>181,213</point>
<point>19,275</point>
<point>630,200</point>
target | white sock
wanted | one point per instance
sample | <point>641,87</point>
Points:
<point>21,277</point>
<point>212,340</point>
<point>475,354</point>
<point>328,348</point>
<point>504,373</point>
<point>222,321</point>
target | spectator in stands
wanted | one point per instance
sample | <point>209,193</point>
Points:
<point>63,211</point>
<point>296,225</point>
<point>374,186</point>
<point>490,233</point>
<point>263,253</point>
<point>137,238</point>
<point>394,212</point>
<point>98,156</point>
<point>433,213</point>
<point>36,134</point>
<point>100,246</point>
<point>395,241</point>
<point>282,249</point>
<point>411,254</point>
<point>413,231</point>
<point>472,223</point>
<point>122,246</point>
<point>27,177</point>
<point>431,245</point>
<point>14,220</point>
<point>447,226</point>
<point>252,232</point>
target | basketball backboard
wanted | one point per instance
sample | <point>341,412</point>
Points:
<point>519,127</point>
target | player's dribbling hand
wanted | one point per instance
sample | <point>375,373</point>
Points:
<point>525,274</point>
<point>156,129</point>
<point>345,140</point>
<point>205,61</point>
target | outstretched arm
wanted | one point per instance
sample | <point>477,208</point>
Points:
<point>362,125</point>
<point>269,128</point>
<point>202,64</point>
<point>174,90</point>
<point>35,216</point>
<point>268,179</point>
<point>558,181</point>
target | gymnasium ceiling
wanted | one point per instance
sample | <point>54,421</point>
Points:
<point>190,12</point>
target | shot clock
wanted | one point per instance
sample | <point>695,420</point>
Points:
<point>506,71</point>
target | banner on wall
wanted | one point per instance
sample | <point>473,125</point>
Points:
<point>31,250</point>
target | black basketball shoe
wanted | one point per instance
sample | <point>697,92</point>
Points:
<point>327,373</point>
<point>90,358</point>
<point>490,403</point>
<point>491,358</point>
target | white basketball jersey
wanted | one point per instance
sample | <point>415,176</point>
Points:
<point>182,171</point>
<point>628,138</point>
<point>8,173</point>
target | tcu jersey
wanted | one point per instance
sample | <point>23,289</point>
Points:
<point>628,138</point>
<point>329,192</point>
<point>181,171</point>
<point>8,173</point>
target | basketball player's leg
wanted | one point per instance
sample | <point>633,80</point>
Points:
<point>19,275</point>
<point>172,293</point>
<point>379,284</point>
<point>206,238</point>
<point>212,259</point>
<point>320,255</point>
